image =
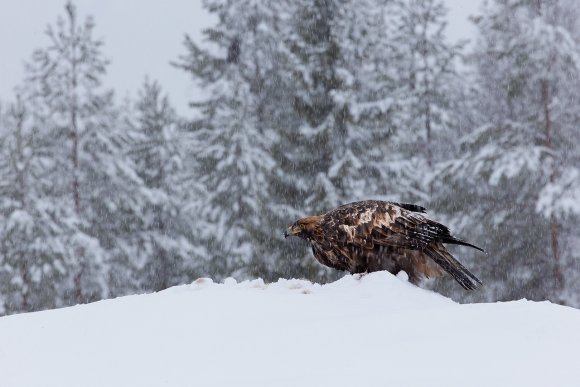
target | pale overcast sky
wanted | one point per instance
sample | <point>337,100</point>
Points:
<point>141,38</point>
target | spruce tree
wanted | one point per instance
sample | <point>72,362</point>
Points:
<point>518,157</point>
<point>38,234</point>
<point>160,236</point>
<point>427,94</point>
<point>77,119</point>
<point>232,135</point>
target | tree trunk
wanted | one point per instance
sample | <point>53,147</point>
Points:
<point>75,159</point>
<point>554,226</point>
<point>25,305</point>
<point>163,281</point>
<point>73,108</point>
<point>427,100</point>
<point>73,115</point>
<point>21,163</point>
<point>78,287</point>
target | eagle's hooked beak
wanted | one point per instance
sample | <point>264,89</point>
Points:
<point>292,230</point>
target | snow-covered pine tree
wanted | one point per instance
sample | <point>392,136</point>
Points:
<point>38,234</point>
<point>517,173</point>
<point>426,96</point>
<point>339,88</point>
<point>558,71</point>
<point>159,240</point>
<point>324,80</point>
<point>332,109</point>
<point>306,76</point>
<point>326,40</point>
<point>233,134</point>
<point>430,112</point>
<point>373,97</point>
<point>77,119</point>
<point>385,94</point>
<point>274,256</point>
<point>321,126</point>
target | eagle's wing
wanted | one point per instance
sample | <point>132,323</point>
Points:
<point>360,227</point>
<point>367,223</point>
<point>335,257</point>
<point>406,229</point>
<point>412,230</point>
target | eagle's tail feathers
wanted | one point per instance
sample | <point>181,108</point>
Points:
<point>456,241</point>
<point>452,266</point>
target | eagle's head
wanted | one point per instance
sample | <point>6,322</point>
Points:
<point>304,228</point>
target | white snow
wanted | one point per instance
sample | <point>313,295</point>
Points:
<point>376,331</point>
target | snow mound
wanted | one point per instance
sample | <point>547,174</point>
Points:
<point>372,331</point>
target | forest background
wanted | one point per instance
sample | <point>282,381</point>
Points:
<point>305,105</point>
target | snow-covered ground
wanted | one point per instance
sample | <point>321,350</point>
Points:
<point>376,331</point>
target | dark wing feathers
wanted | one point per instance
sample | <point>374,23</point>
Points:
<point>426,231</point>
<point>357,232</point>
<point>456,241</point>
<point>411,207</point>
<point>374,222</point>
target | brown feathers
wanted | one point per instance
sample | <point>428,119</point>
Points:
<point>374,235</point>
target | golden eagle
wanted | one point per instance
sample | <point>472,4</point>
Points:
<point>374,235</point>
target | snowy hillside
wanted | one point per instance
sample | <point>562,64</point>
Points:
<point>376,331</point>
